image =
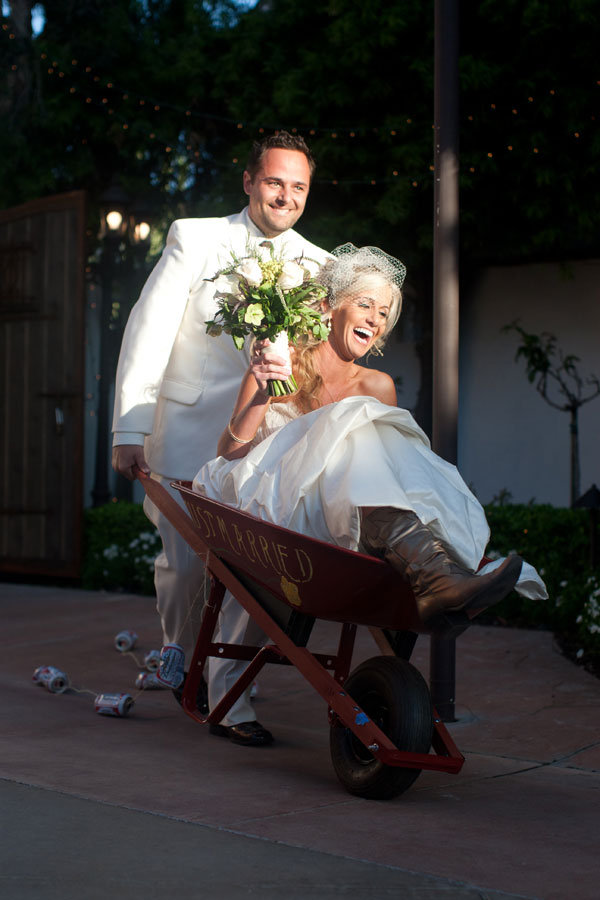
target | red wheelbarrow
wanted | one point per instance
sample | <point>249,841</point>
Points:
<point>383,729</point>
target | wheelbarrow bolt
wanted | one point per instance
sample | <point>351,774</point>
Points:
<point>373,747</point>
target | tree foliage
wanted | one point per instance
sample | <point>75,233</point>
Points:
<point>152,92</point>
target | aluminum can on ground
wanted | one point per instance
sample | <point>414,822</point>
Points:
<point>147,681</point>
<point>125,640</point>
<point>152,660</point>
<point>113,704</point>
<point>51,678</point>
<point>171,672</point>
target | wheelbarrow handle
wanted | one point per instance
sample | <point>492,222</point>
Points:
<point>172,511</point>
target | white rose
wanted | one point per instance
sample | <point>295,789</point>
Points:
<point>292,275</point>
<point>251,271</point>
<point>311,267</point>
<point>226,284</point>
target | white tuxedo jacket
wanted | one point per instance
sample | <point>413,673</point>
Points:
<point>176,386</point>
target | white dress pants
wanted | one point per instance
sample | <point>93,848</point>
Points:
<point>178,579</point>
<point>181,589</point>
<point>235,627</point>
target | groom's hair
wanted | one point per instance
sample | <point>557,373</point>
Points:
<point>281,140</point>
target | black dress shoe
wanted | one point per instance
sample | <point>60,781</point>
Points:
<point>201,696</point>
<point>250,734</point>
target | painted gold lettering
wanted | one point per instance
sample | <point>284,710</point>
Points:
<point>306,567</point>
<point>265,548</point>
<point>200,521</point>
<point>224,532</point>
<point>210,517</point>
<point>282,556</point>
<point>240,542</point>
<point>253,548</point>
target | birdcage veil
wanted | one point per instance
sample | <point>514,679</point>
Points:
<point>340,274</point>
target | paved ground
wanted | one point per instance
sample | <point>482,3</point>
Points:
<point>94,807</point>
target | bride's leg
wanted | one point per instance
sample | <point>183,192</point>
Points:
<point>439,584</point>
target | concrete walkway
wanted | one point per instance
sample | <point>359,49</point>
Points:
<point>96,807</point>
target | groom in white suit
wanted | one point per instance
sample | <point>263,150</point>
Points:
<point>176,386</point>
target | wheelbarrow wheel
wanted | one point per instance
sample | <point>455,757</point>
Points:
<point>395,696</point>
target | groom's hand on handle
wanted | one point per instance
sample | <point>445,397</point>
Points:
<point>126,458</point>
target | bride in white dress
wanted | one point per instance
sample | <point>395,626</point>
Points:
<point>340,462</point>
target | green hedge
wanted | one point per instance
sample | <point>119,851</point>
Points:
<point>555,541</point>
<point>120,547</point>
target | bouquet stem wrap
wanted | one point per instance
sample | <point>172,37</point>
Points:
<point>281,347</point>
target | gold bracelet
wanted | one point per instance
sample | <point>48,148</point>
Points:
<point>234,437</point>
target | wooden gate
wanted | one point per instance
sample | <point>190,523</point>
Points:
<point>42,260</point>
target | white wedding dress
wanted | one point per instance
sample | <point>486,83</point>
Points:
<point>312,473</point>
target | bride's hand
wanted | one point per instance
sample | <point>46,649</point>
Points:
<point>266,366</point>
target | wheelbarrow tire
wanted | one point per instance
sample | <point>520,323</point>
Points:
<point>395,696</point>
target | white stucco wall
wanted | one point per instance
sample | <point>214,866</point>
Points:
<point>509,437</point>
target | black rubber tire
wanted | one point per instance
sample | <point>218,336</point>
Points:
<point>395,696</point>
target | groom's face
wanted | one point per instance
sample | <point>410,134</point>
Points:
<point>277,193</point>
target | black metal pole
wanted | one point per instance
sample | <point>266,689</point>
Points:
<point>445,295</point>
<point>100,491</point>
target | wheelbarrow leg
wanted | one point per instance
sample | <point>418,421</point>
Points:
<point>210,617</point>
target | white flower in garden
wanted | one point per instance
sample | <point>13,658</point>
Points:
<point>292,276</point>
<point>251,271</point>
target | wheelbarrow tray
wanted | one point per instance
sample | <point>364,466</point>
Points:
<point>286,580</point>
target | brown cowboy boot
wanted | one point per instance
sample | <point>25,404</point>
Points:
<point>442,588</point>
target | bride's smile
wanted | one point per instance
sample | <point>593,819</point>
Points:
<point>361,317</point>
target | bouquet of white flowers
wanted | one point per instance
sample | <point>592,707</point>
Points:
<point>264,295</point>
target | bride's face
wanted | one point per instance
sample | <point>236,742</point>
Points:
<point>361,316</point>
